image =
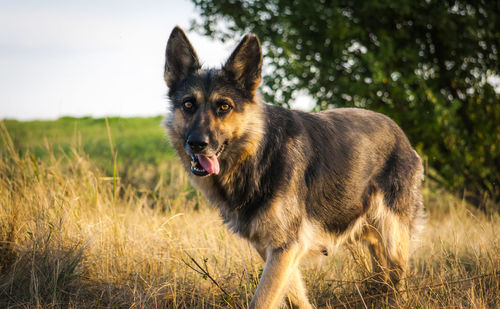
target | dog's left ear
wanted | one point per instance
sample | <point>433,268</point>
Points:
<point>181,59</point>
<point>245,63</point>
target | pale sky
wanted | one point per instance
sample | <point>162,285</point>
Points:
<point>96,57</point>
<point>91,58</point>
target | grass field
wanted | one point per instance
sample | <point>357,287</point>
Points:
<point>98,218</point>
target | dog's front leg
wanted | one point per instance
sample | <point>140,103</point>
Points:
<point>281,263</point>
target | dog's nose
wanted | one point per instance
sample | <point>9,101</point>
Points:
<point>197,142</point>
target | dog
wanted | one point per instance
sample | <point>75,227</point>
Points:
<point>291,182</point>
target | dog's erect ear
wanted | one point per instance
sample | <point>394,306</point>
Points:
<point>245,63</point>
<point>181,58</point>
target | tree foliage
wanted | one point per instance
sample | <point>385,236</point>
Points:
<point>426,64</point>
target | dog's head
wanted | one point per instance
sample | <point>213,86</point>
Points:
<point>211,110</point>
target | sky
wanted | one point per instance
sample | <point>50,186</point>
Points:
<point>91,58</point>
<point>96,57</point>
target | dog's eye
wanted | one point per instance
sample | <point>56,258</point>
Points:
<point>188,105</point>
<point>224,107</point>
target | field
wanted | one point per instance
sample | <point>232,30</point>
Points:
<point>100,214</point>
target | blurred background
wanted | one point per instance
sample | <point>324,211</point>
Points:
<point>90,58</point>
<point>433,66</point>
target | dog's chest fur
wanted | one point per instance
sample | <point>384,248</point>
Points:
<point>250,193</point>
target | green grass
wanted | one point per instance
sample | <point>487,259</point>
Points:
<point>134,138</point>
<point>140,143</point>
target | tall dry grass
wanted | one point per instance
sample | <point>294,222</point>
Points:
<point>71,237</point>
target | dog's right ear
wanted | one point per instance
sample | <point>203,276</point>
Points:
<point>181,59</point>
<point>245,63</point>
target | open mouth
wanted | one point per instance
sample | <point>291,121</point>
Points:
<point>202,165</point>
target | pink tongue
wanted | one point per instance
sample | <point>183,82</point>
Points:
<point>210,164</point>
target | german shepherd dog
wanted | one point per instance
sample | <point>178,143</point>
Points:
<point>291,182</point>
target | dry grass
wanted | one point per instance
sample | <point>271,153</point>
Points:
<point>69,239</point>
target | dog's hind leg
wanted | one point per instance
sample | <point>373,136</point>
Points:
<point>388,239</point>
<point>397,243</point>
<point>388,243</point>
<point>281,266</point>
<point>378,257</point>
<point>389,254</point>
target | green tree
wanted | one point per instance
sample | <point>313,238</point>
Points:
<point>426,64</point>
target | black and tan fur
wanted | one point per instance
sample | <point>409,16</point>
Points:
<point>291,182</point>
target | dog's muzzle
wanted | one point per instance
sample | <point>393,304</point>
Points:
<point>202,165</point>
